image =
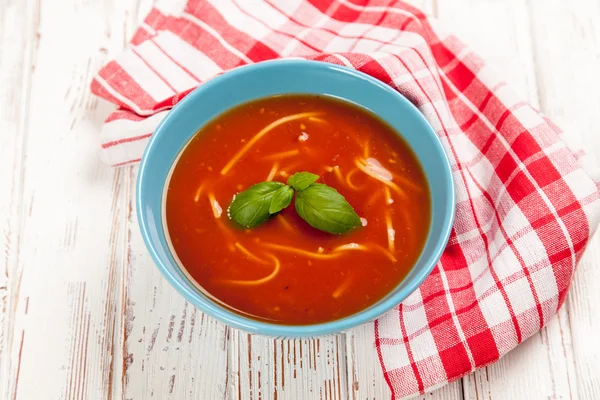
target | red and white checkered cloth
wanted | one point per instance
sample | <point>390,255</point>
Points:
<point>527,200</point>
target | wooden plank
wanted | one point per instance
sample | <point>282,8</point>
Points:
<point>61,328</point>
<point>18,24</point>
<point>582,309</point>
<point>567,39</point>
<point>171,350</point>
<point>265,368</point>
<point>166,348</point>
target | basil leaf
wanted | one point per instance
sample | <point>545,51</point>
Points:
<point>251,207</point>
<point>325,209</point>
<point>302,180</point>
<point>281,199</point>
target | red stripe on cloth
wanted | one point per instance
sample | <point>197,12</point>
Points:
<point>411,358</point>
<point>124,114</point>
<point>120,82</point>
<point>132,161</point>
<point>443,330</point>
<point>125,140</point>
<point>321,5</point>
<point>471,121</point>
<point>509,113</point>
<point>100,91</point>
<point>381,362</point>
<point>442,54</point>
<point>156,19</point>
<point>140,36</point>
<point>291,37</point>
<point>203,42</point>
<point>372,67</point>
<point>151,67</point>
<point>254,49</point>
<point>461,76</point>
<point>483,347</point>
<point>187,71</point>
<point>455,360</point>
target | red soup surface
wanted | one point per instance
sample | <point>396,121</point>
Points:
<point>285,271</point>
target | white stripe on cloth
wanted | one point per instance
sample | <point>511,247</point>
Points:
<point>170,7</point>
<point>143,75</point>
<point>124,153</point>
<point>187,56</point>
<point>216,35</point>
<point>125,132</point>
<point>255,13</point>
<point>247,24</point>
<point>148,28</point>
<point>117,95</point>
<point>392,10</point>
<point>344,60</point>
<point>289,8</point>
<point>177,77</point>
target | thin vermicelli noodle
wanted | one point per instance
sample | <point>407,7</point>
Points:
<point>367,247</point>
<point>342,288</point>
<point>391,232</point>
<point>272,172</point>
<point>290,168</point>
<point>375,166</point>
<point>260,281</point>
<point>373,198</point>
<point>285,223</point>
<point>316,119</point>
<point>214,204</point>
<point>349,182</point>
<point>249,254</point>
<point>306,253</point>
<point>338,174</point>
<point>262,133</point>
<point>372,174</point>
<point>282,155</point>
<point>199,192</point>
<point>388,195</point>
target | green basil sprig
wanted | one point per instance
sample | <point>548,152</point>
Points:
<point>302,180</point>
<point>251,207</point>
<point>325,209</point>
<point>318,204</point>
<point>281,199</point>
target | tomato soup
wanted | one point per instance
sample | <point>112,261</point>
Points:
<point>285,271</point>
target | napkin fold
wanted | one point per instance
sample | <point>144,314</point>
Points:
<point>527,199</point>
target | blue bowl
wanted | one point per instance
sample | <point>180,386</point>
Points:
<point>290,77</point>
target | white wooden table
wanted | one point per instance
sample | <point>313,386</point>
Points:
<point>85,314</point>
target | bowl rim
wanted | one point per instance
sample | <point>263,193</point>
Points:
<point>239,321</point>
